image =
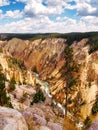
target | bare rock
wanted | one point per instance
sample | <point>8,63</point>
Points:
<point>54,126</point>
<point>39,120</point>
<point>94,126</point>
<point>44,128</point>
<point>11,119</point>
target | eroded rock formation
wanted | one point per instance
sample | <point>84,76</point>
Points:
<point>11,119</point>
<point>45,57</point>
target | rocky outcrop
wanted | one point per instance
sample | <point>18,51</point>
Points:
<point>11,119</point>
<point>44,128</point>
<point>54,126</point>
<point>94,125</point>
<point>42,116</point>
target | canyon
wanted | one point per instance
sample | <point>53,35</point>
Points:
<point>40,63</point>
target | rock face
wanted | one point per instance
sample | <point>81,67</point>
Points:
<point>46,58</point>
<point>88,75</point>
<point>44,128</point>
<point>54,126</point>
<point>39,54</point>
<point>42,116</point>
<point>11,119</point>
<point>94,126</point>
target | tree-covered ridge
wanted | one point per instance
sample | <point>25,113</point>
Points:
<point>93,42</point>
<point>70,37</point>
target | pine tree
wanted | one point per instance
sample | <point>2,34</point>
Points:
<point>71,71</point>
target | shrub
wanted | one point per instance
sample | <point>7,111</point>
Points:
<point>39,96</point>
<point>4,99</point>
<point>12,84</point>
<point>87,122</point>
<point>95,107</point>
<point>13,62</point>
<point>34,69</point>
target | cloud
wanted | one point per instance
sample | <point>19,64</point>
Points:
<point>90,20</point>
<point>11,14</point>
<point>43,24</point>
<point>53,7</point>
<point>4,2</point>
<point>40,7</point>
<point>85,7</point>
<point>35,17</point>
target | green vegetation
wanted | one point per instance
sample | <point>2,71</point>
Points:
<point>1,68</point>
<point>12,84</point>
<point>4,99</point>
<point>95,107</point>
<point>71,37</point>
<point>34,69</point>
<point>93,42</point>
<point>13,62</point>
<point>83,102</point>
<point>39,96</point>
<point>17,61</point>
<point>87,122</point>
<point>71,73</point>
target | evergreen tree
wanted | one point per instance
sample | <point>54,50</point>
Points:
<point>4,99</point>
<point>71,71</point>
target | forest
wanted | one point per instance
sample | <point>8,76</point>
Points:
<point>71,37</point>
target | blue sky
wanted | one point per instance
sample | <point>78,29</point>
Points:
<point>41,16</point>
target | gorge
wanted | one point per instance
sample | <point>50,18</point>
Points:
<point>40,62</point>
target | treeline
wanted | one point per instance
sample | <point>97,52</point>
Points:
<point>71,37</point>
<point>93,42</point>
<point>9,36</point>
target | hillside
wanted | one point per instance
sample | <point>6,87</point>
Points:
<point>41,60</point>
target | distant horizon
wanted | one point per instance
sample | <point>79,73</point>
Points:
<point>48,16</point>
<point>48,32</point>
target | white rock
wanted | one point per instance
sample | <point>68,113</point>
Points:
<point>11,119</point>
<point>39,120</point>
<point>94,125</point>
<point>44,128</point>
<point>54,126</point>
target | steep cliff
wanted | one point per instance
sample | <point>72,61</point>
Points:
<point>88,75</point>
<point>37,54</point>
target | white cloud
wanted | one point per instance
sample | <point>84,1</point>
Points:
<point>36,17</point>
<point>36,7</point>
<point>4,2</point>
<point>11,14</point>
<point>85,7</point>
<point>61,18</point>
<point>90,20</point>
<point>44,24</point>
<point>52,7</point>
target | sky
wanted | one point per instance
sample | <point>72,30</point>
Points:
<point>44,16</point>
